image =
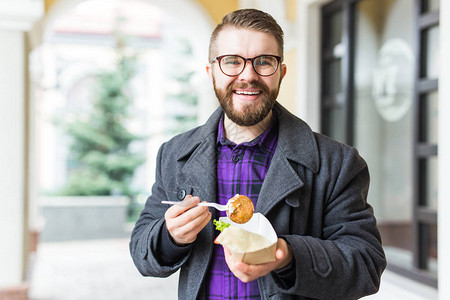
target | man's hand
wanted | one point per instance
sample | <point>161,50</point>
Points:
<point>185,220</point>
<point>247,273</point>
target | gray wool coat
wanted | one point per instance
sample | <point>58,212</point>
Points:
<point>314,195</point>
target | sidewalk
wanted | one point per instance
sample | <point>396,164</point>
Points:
<point>93,270</point>
<point>103,270</point>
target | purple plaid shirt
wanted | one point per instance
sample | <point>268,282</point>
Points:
<point>241,169</point>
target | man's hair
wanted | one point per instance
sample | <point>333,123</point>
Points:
<point>251,19</point>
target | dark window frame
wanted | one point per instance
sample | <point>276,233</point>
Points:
<point>345,100</point>
<point>423,217</point>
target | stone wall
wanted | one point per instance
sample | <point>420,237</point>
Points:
<point>80,218</point>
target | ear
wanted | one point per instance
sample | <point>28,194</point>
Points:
<point>209,71</point>
<point>283,70</point>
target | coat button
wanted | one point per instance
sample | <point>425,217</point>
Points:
<point>181,194</point>
<point>235,159</point>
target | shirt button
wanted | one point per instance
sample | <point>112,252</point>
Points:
<point>181,194</point>
<point>235,159</point>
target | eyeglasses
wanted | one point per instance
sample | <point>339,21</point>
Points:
<point>233,65</point>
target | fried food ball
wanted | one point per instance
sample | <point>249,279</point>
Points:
<point>240,209</point>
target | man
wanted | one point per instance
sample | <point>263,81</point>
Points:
<point>312,189</point>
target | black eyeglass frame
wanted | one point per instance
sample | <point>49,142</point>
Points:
<point>219,58</point>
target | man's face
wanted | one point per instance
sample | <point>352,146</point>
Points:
<point>248,97</point>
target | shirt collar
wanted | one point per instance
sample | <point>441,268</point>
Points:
<point>266,140</point>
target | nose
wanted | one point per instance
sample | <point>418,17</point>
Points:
<point>248,73</point>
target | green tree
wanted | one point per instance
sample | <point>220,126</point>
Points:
<point>100,155</point>
<point>181,98</point>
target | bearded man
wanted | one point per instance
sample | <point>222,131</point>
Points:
<point>311,188</point>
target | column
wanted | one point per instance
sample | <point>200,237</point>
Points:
<point>16,19</point>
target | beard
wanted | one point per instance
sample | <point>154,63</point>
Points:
<point>252,113</point>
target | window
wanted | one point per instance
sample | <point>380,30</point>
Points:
<point>379,94</point>
<point>336,87</point>
<point>425,137</point>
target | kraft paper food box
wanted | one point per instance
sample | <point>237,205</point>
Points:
<point>260,225</point>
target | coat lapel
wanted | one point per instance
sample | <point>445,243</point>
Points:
<point>199,170</point>
<point>296,146</point>
<point>280,181</point>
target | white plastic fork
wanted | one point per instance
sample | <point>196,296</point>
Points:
<point>210,204</point>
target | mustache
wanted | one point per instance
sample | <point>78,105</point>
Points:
<point>254,84</point>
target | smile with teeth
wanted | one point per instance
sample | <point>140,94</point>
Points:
<point>248,93</point>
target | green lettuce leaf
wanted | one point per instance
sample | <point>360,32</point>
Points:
<point>220,225</point>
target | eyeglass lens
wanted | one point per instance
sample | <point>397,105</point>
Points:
<point>264,65</point>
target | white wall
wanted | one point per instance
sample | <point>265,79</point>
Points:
<point>12,154</point>
<point>308,82</point>
<point>16,18</point>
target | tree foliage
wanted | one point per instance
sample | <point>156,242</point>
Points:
<point>101,160</point>
<point>181,99</point>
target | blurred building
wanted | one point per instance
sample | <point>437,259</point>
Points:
<point>79,43</point>
<point>366,72</point>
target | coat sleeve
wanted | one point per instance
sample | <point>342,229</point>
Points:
<point>347,260</point>
<point>149,235</point>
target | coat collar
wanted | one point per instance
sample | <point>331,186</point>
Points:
<point>300,147</point>
<point>296,140</point>
<point>205,134</point>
